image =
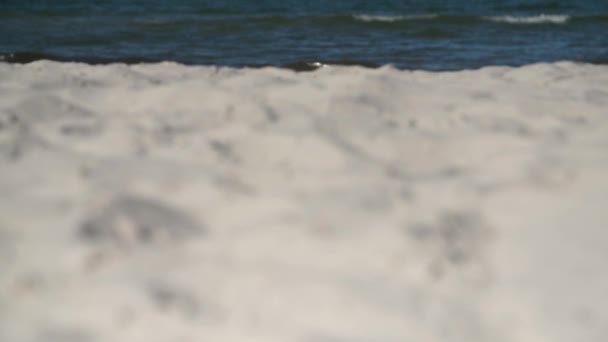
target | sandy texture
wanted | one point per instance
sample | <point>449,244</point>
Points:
<point>171,203</point>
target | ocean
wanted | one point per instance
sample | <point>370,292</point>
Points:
<point>303,35</point>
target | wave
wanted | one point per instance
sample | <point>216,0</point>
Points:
<point>541,19</point>
<point>29,57</point>
<point>392,18</point>
<point>299,66</point>
<point>243,22</point>
<point>537,19</point>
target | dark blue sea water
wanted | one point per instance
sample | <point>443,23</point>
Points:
<point>415,34</point>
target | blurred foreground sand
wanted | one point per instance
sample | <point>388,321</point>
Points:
<point>171,203</point>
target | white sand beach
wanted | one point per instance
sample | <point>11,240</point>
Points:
<point>165,202</point>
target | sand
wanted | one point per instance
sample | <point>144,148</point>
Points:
<point>176,203</point>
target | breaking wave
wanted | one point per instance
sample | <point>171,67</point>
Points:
<point>537,19</point>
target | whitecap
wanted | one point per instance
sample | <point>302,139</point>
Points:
<point>392,18</point>
<point>537,19</point>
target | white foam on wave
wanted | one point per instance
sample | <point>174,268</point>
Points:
<point>537,19</point>
<point>392,18</point>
